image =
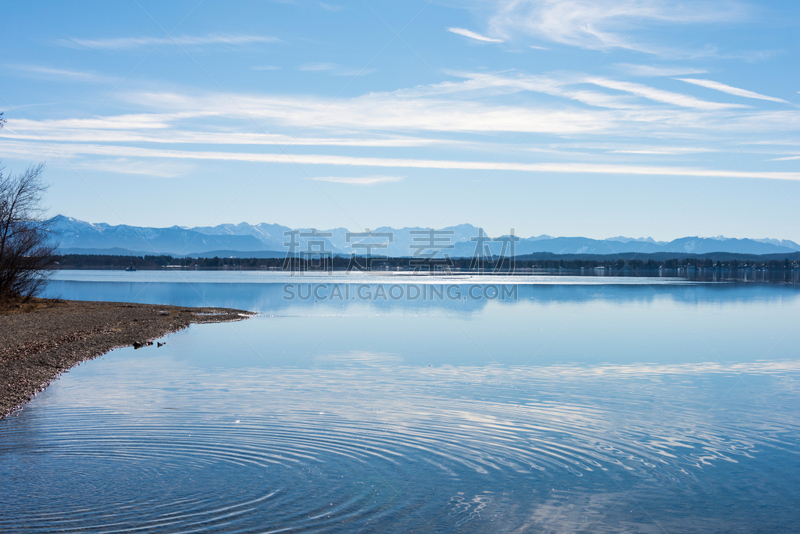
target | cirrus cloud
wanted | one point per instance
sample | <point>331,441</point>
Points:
<point>123,43</point>
<point>604,24</point>
<point>473,35</point>
<point>717,86</point>
<point>358,180</point>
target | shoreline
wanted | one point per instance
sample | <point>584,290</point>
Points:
<point>43,338</point>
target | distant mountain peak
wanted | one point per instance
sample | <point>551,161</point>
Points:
<point>263,237</point>
<point>623,239</point>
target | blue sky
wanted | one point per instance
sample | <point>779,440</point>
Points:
<point>565,117</point>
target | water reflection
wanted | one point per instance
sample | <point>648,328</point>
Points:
<point>595,408</point>
<point>386,447</point>
<point>266,292</point>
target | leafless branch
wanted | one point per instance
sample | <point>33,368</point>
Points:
<point>26,244</point>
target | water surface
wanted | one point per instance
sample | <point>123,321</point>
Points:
<point>646,406</point>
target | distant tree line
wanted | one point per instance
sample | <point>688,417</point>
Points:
<point>341,263</point>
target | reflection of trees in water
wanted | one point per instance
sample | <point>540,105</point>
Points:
<point>269,297</point>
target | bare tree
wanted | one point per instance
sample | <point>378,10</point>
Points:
<point>26,245</point>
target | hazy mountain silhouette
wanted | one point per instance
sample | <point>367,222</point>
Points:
<point>268,241</point>
<point>75,234</point>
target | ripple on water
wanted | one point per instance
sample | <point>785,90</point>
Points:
<point>379,448</point>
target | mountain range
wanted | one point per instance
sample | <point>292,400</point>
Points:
<point>267,240</point>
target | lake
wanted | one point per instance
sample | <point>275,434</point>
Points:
<point>482,404</point>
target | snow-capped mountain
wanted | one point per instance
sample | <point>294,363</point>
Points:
<point>77,236</point>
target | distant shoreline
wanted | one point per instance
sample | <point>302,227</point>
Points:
<point>42,338</point>
<point>719,268</point>
<point>530,263</point>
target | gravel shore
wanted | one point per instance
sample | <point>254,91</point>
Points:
<point>42,338</point>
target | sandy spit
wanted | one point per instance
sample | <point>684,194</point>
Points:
<point>42,338</point>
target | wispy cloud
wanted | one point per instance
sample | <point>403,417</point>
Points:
<point>330,7</point>
<point>377,119</point>
<point>132,121</point>
<point>333,69</point>
<point>717,86</point>
<point>662,151</point>
<point>314,67</point>
<point>604,24</point>
<point>68,150</point>
<point>659,95</point>
<point>473,35</point>
<point>61,74</point>
<point>265,67</point>
<point>597,119</point>
<point>753,56</point>
<point>156,129</point>
<point>390,112</point>
<point>567,85</point>
<point>358,180</point>
<point>470,105</point>
<point>122,43</point>
<point>654,70</point>
<point>161,169</point>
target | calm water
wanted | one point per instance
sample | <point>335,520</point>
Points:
<point>596,405</point>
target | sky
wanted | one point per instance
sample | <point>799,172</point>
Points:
<point>598,118</point>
